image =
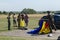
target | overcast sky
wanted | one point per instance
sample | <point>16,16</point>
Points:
<point>38,5</point>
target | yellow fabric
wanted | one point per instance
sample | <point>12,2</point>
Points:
<point>22,23</point>
<point>43,27</point>
<point>44,30</point>
<point>47,30</point>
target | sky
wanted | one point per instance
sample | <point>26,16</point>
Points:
<point>38,5</point>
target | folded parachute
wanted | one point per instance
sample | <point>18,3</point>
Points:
<point>43,28</point>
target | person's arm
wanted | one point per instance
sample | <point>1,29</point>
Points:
<point>7,17</point>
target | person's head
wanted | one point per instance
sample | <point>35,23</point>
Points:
<point>13,13</point>
<point>25,14</point>
<point>22,15</point>
<point>48,12</point>
<point>9,14</point>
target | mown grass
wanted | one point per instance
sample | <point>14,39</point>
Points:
<point>33,23</point>
<point>22,38</point>
<point>11,38</point>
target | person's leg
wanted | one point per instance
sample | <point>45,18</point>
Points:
<point>18,24</point>
<point>13,23</point>
<point>50,27</point>
<point>8,26</point>
<point>54,27</point>
<point>26,24</point>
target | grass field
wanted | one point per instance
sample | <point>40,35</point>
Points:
<point>33,23</point>
<point>19,38</point>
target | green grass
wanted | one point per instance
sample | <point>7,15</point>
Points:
<point>21,38</point>
<point>11,38</point>
<point>33,22</point>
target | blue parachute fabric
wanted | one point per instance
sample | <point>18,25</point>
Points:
<point>37,29</point>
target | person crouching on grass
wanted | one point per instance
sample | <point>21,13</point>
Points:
<point>9,23</point>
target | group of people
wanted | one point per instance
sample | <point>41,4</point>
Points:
<point>21,20</point>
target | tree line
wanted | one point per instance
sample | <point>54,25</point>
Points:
<point>27,11</point>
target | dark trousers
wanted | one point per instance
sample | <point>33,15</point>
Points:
<point>50,26</point>
<point>8,25</point>
<point>26,21</point>
<point>18,24</point>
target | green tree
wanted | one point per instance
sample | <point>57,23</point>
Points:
<point>28,11</point>
<point>0,12</point>
<point>4,12</point>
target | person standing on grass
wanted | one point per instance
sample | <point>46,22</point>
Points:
<point>18,19</point>
<point>26,19</point>
<point>51,24</point>
<point>9,23</point>
<point>14,21</point>
<point>22,22</point>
